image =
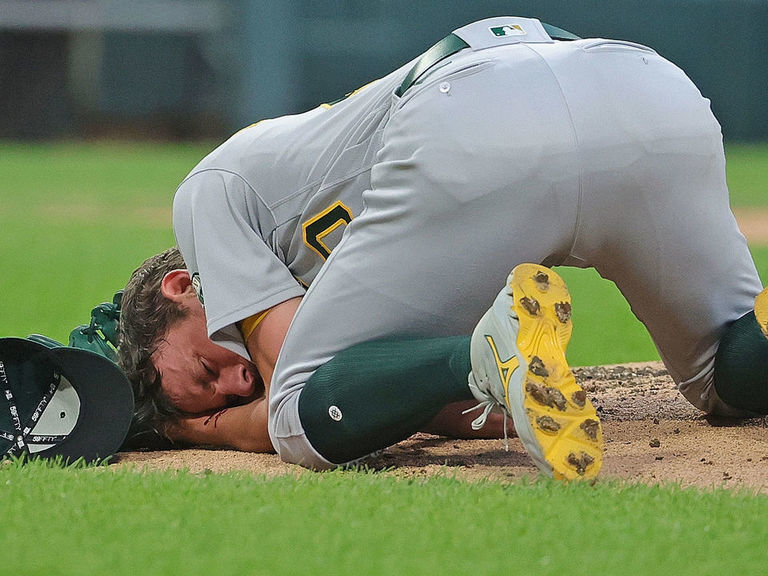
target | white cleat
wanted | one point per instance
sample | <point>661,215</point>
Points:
<point>518,364</point>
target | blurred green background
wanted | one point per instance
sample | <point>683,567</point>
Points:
<point>192,68</point>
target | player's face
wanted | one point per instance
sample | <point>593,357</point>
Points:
<point>199,376</point>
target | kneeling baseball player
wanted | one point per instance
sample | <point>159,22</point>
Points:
<point>338,265</point>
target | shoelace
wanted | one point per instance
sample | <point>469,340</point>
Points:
<point>479,422</point>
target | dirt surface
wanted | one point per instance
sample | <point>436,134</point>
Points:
<point>652,435</point>
<point>753,223</point>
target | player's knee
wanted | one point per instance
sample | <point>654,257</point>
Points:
<point>288,437</point>
<point>298,450</point>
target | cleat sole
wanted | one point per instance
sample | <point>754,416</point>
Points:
<point>558,414</point>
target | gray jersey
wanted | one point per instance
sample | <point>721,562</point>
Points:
<point>257,218</point>
<point>590,153</point>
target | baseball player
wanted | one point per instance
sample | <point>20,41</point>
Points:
<point>341,256</point>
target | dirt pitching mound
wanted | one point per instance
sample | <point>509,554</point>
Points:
<point>652,434</point>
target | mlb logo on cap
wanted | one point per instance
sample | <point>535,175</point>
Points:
<point>60,401</point>
<point>508,30</point>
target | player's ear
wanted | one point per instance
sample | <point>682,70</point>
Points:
<point>177,286</point>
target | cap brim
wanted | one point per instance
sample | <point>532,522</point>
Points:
<point>106,401</point>
<point>106,405</point>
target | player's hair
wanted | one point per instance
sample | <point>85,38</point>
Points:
<point>145,318</point>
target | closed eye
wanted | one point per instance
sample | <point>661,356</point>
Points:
<point>207,367</point>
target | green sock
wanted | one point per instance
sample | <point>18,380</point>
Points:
<point>378,393</point>
<point>741,366</point>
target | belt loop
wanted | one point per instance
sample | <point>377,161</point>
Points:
<point>448,46</point>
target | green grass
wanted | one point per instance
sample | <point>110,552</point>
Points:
<point>115,174</point>
<point>104,521</point>
<point>76,219</point>
<point>747,171</point>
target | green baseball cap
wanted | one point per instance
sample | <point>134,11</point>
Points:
<point>61,401</point>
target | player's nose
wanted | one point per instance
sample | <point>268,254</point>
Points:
<point>235,381</point>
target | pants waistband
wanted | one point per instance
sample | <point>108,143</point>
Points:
<point>452,44</point>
